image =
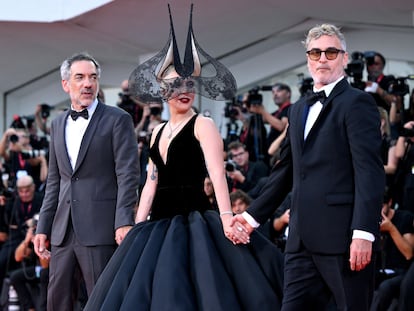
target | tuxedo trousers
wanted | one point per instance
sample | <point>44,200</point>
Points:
<point>71,262</point>
<point>325,282</point>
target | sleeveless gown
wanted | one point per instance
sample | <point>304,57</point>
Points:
<point>181,259</point>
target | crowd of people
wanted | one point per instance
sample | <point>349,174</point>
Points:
<point>315,196</point>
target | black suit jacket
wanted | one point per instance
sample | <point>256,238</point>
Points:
<point>100,193</point>
<point>336,176</point>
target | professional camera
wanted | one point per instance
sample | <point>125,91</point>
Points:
<point>230,166</point>
<point>255,98</point>
<point>34,153</point>
<point>231,109</point>
<point>355,68</point>
<point>13,138</point>
<point>399,86</point>
<point>305,85</point>
<point>45,110</point>
<point>407,132</point>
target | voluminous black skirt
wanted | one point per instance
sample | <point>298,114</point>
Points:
<point>186,263</point>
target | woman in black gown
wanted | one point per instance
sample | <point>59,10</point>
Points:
<point>177,256</point>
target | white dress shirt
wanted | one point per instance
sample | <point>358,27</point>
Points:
<point>75,131</point>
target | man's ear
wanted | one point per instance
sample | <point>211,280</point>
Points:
<point>65,86</point>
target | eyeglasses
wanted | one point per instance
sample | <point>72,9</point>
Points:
<point>330,53</point>
<point>235,155</point>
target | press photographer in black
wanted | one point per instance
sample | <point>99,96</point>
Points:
<point>18,211</point>
<point>20,158</point>
<point>129,104</point>
<point>254,134</point>
<point>278,119</point>
<point>378,84</point>
<point>403,187</point>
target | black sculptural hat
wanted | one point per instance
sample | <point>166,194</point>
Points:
<point>212,79</point>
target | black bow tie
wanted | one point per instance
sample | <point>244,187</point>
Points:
<point>316,96</point>
<point>75,114</point>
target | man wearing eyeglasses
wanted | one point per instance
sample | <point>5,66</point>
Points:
<point>331,162</point>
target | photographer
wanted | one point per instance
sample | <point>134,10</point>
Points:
<point>278,119</point>
<point>33,274</point>
<point>403,187</point>
<point>18,211</point>
<point>42,113</point>
<point>379,84</point>
<point>243,173</point>
<point>253,134</point>
<point>129,104</point>
<point>21,158</point>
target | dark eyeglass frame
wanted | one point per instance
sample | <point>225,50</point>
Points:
<point>330,53</point>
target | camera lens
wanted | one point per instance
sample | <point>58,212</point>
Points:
<point>14,138</point>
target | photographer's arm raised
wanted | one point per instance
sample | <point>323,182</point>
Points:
<point>4,143</point>
<point>401,144</point>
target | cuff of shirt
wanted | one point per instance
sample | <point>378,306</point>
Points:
<point>364,235</point>
<point>250,220</point>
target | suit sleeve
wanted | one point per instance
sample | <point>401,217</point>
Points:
<point>125,149</point>
<point>278,185</point>
<point>50,201</point>
<point>363,129</point>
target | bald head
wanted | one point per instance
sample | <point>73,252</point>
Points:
<point>25,188</point>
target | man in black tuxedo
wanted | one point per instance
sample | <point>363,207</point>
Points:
<point>92,184</point>
<point>331,162</point>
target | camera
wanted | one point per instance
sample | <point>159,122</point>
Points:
<point>30,154</point>
<point>399,86</point>
<point>407,132</point>
<point>305,84</point>
<point>45,110</point>
<point>255,98</point>
<point>230,166</point>
<point>13,138</point>
<point>231,109</point>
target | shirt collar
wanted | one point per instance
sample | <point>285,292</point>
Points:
<point>91,108</point>
<point>329,87</point>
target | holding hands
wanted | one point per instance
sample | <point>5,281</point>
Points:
<point>237,229</point>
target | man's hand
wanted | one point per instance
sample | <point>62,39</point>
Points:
<point>241,230</point>
<point>120,233</point>
<point>360,254</point>
<point>39,243</point>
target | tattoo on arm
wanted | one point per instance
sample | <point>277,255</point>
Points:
<point>154,170</point>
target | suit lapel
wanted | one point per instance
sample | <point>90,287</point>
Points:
<point>89,133</point>
<point>340,87</point>
<point>61,143</point>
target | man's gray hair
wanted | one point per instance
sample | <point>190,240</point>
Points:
<point>67,64</point>
<point>325,30</point>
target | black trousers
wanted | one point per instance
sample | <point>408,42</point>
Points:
<point>71,263</point>
<point>325,282</point>
<point>22,280</point>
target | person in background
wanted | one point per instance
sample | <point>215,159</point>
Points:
<point>209,191</point>
<point>240,201</point>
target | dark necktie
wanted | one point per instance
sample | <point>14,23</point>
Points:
<point>315,97</point>
<point>75,114</point>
